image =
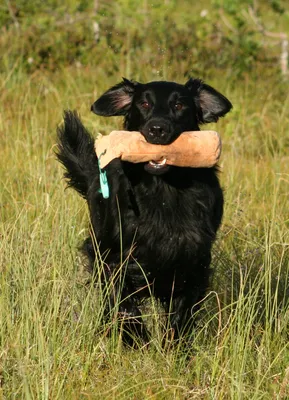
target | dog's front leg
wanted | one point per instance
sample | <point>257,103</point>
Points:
<point>114,218</point>
<point>121,304</point>
<point>183,306</point>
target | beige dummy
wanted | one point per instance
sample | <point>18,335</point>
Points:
<point>196,149</point>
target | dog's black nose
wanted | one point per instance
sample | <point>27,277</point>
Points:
<point>157,131</point>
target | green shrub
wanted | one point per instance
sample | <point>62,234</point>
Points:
<point>50,35</point>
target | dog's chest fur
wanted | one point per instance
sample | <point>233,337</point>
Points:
<point>167,222</point>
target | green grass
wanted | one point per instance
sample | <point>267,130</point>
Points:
<point>53,343</point>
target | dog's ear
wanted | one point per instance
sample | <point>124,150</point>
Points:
<point>211,105</point>
<point>115,101</point>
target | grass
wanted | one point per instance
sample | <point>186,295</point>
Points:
<point>53,343</point>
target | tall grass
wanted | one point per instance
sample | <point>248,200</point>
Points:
<point>54,344</point>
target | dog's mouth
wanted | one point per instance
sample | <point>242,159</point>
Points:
<point>157,167</point>
<point>158,164</point>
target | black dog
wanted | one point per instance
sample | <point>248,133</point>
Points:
<point>161,219</point>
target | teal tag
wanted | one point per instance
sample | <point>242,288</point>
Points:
<point>104,188</point>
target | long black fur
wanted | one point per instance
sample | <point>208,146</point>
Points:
<point>164,220</point>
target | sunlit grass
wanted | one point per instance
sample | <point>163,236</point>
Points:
<point>54,343</point>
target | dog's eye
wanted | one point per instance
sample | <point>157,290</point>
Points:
<point>178,106</point>
<point>145,105</point>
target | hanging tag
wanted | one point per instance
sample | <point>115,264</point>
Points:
<point>104,188</point>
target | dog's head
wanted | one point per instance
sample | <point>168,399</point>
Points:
<point>161,111</point>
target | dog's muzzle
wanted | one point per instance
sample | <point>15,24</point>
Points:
<point>157,131</point>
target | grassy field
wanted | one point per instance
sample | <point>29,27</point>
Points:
<point>53,344</point>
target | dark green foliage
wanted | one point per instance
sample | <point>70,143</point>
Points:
<point>53,34</point>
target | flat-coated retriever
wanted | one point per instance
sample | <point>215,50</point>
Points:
<point>160,219</point>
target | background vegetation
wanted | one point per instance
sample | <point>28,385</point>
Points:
<point>57,55</point>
